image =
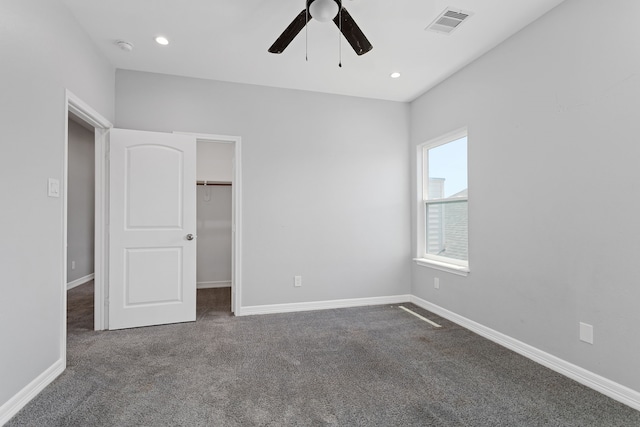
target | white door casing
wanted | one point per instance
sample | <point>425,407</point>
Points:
<point>152,266</point>
<point>236,207</point>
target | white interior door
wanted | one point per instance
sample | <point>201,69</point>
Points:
<point>152,216</point>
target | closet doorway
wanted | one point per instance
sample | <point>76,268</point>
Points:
<point>218,215</point>
<point>214,215</point>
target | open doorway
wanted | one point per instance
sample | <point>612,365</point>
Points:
<point>214,184</point>
<point>80,202</point>
<point>84,213</point>
<point>219,208</point>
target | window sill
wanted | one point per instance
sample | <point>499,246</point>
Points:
<point>443,266</point>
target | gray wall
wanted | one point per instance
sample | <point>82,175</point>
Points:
<point>553,175</point>
<point>214,161</point>
<point>325,181</point>
<point>80,202</point>
<point>43,51</point>
<point>214,234</point>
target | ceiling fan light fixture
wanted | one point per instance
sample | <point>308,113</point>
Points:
<point>323,10</point>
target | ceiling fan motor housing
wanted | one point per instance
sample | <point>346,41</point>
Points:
<point>324,10</point>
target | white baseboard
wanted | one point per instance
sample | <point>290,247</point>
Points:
<point>24,396</point>
<point>209,285</point>
<point>321,305</point>
<point>80,281</point>
<point>603,385</point>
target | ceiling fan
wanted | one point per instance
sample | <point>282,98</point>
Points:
<point>324,11</point>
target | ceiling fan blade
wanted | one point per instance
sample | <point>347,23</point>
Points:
<point>353,33</point>
<point>290,33</point>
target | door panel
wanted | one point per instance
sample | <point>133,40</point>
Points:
<point>152,265</point>
<point>153,198</point>
<point>152,276</point>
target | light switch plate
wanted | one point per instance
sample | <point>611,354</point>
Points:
<point>54,187</point>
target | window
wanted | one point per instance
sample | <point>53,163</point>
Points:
<point>443,216</point>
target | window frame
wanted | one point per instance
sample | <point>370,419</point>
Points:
<point>438,262</point>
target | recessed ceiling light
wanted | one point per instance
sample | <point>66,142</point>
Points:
<point>162,40</point>
<point>394,75</point>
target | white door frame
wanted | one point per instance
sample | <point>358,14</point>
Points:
<point>81,109</point>
<point>236,213</point>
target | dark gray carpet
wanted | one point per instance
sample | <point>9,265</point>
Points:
<point>375,366</point>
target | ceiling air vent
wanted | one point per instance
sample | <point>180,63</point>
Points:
<point>448,21</point>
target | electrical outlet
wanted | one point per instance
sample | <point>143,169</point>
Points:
<point>586,333</point>
<point>436,282</point>
<point>297,281</point>
<point>73,265</point>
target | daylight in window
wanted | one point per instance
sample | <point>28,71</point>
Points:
<point>445,201</point>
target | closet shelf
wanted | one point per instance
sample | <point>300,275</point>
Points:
<point>213,183</point>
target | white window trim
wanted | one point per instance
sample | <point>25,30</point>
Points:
<point>422,258</point>
<point>443,266</point>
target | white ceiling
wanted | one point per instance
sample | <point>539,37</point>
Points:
<point>228,40</point>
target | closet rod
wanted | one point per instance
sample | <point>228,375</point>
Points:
<point>213,183</point>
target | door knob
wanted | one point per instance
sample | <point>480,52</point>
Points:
<point>190,237</point>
